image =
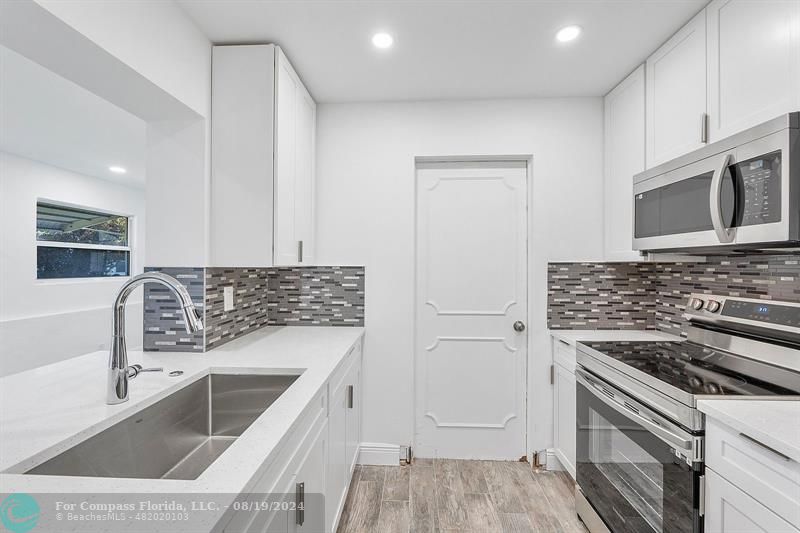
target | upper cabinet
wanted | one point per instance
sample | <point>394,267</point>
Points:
<point>624,156</point>
<point>263,128</point>
<point>295,131</point>
<point>676,94</point>
<point>753,63</point>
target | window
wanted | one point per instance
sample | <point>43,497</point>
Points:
<point>80,243</point>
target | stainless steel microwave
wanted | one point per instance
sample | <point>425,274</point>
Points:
<point>742,192</point>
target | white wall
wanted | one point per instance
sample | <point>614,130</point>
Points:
<point>365,184</point>
<point>42,321</point>
<point>153,37</point>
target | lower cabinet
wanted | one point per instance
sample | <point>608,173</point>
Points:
<point>749,486</point>
<point>345,433</point>
<point>730,510</point>
<point>564,418</point>
<point>307,481</point>
<point>563,378</point>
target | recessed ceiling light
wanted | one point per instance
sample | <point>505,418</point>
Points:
<point>568,33</point>
<point>117,170</point>
<point>382,40</point>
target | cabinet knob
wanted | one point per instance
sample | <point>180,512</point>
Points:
<point>519,326</point>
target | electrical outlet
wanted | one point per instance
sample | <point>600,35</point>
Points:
<point>227,298</point>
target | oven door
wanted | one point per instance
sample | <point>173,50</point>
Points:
<point>640,472</point>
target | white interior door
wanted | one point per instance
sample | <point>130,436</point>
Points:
<point>471,288</point>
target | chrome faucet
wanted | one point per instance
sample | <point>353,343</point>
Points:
<point>118,370</point>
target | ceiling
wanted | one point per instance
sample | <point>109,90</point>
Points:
<point>450,49</point>
<point>47,118</point>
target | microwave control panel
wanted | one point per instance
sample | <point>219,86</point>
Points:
<point>760,182</point>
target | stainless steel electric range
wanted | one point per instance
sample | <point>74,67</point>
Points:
<point>640,437</point>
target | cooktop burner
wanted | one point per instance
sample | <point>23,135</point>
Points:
<point>700,370</point>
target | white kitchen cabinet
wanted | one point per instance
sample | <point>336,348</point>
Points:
<point>624,130</point>
<point>310,486</point>
<point>765,475</point>
<point>263,128</point>
<point>676,94</point>
<point>753,63</point>
<point>730,510</point>
<point>345,431</point>
<point>563,377</point>
<point>295,130</point>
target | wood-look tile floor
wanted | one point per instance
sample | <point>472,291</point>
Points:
<point>447,495</point>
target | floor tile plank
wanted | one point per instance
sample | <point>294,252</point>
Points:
<point>394,517</point>
<point>396,484</point>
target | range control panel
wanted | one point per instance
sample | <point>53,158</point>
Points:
<point>769,312</point>
<point>779,315</point>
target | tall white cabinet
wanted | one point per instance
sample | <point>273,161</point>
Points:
<point>676,94</point>
<point>624,131</point>
<point>263,129</point>
<point>753,63</point>
<point>295,130</point>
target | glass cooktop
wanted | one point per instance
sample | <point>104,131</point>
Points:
<point>699,370</point>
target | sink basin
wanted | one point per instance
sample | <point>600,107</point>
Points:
<point>177,437</point>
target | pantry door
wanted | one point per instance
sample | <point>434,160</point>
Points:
<point>471,310</point>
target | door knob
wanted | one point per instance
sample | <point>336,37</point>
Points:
<point>519,326</point>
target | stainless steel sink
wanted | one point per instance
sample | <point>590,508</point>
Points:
<point>177,437</point>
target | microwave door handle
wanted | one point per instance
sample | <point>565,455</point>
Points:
<point>724,234</point>
<point>682,444</point>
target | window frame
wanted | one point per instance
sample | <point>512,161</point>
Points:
<point>130,248</point>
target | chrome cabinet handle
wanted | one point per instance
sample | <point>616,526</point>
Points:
<point>300,503</point>
<point>299,251</point>
<point>519,326</point>
<point>724,234</point>
<point>768,448</point>
<point>350,394</point>
<point>704,128</point>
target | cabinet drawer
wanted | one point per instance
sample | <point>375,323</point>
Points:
<point>564,354</point>
<point>767,476</point>
<point>730,510</point>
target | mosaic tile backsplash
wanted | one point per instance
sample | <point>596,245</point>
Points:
<point>318,296</point>
<point>653,295</point>
<point>164,329</point>
<point>284,296</point>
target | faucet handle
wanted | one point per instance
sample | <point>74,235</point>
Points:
<point>135,370</point>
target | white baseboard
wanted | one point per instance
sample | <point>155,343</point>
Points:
<point>379,454</point>
<point>552,460</point>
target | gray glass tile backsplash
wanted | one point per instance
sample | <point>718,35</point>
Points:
<point>288,296</point>
<point>653,295</point>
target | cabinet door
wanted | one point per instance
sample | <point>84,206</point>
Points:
<point>624,157</point>
<point>306,115</point>
<point>753,63</point>
<point>286,246</point>
<point>564,417</point>
<point>295,131</point>
<point>310,486</point>
<point>730,510</point>
<point>354,411</point>
<point>676,94</point>
<point>337,467</point>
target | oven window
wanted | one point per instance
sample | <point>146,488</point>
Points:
<point>633,479</point>
<point>634,473</point>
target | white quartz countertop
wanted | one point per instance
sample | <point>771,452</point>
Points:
<point>47,410</point>
<point>775,423</point>
<point>573,336</point>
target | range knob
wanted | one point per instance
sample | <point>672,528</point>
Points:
<point>696,303</point>
<point>713,306</point>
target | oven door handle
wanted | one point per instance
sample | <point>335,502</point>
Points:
<point>602,391</point>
